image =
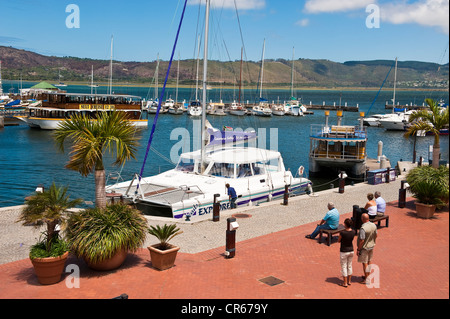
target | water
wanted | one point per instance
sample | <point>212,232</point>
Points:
<point>29,157</point>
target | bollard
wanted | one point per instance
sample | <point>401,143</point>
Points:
<point>388,175</point>
<point>216,209</point>
<point>356,217</point>
<point>231,237</point>
<point>286,195</point>
<point>402,196</point>
<point>341,183</point>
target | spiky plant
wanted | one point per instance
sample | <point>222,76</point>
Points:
<point>97,234</point>
<point>164,234</point>
<point>48,207</point>
<point>429,185</point>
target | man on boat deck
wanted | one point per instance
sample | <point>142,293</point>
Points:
<point>232,195</point>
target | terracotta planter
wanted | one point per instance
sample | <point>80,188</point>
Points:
<point>49,270</point>
<point>424,210</point>
<point>109,264</point>
<point>163,259</point>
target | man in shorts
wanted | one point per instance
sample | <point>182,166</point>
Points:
<point>366,243</point>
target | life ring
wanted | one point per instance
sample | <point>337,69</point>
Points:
<point>301,169</point>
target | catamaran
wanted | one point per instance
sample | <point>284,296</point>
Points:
<point>198,180</point>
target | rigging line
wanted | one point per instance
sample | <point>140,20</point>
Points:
<point>376,96</point>
<point>161,96</point>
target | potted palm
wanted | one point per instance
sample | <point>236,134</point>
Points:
<point>163,254</point>
<point>104,236</point>
<point>430,187</point>
<point>49,255</point>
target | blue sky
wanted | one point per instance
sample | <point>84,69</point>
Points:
<point>318,29</point>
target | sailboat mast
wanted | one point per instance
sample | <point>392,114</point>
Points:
<point>205,71</point>
<point>1,88</point>
<point>178,77</point>
<point>156,77</point>
<point>292,73</point>
<point>395,83</point>
<point>111,67</point>
<point>262,69</point>
<point>240,78</point>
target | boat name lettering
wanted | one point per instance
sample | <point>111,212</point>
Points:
<point>97,106</point>
<point>208,209</point>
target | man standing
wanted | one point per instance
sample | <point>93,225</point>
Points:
<point>330,221</point>
<point>232,196</point>
<point>381,204</point>
<point>366,243</point>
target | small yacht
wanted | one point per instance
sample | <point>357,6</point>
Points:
<point>237,109</point>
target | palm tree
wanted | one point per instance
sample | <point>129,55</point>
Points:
<point>429,120</point>
<point>48,207</point>
<point>90,139</point>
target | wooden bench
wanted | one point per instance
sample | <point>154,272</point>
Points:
<point>378,220</point>
<point>330,233</point>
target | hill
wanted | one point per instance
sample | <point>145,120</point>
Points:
<point>31,66</point>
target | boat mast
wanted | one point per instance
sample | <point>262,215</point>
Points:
<point>292,73</point>
<point>178,77</point>
<point>395,82</point>
<point>111,66</point>
<point>262,70</point>
<point>205,70</point>
<point>92,79</point>
<point>1,88</point>
<point>240,78</point>
<point>156,77</point>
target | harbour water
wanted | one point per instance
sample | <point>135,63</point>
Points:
<point>29,157</point>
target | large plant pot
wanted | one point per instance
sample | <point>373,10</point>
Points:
<point>49,270</point>
<point>111,263</point>
<point>163,259</point>
<point>424,210</point>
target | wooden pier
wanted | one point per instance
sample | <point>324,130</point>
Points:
<point>332,107</point>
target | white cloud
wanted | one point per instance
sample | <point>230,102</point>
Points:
<point>302,22</point>
<point>230,4</point>
<point>319,6</point>
<point>431,13</point>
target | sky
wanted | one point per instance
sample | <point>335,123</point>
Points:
<point>336,30</point>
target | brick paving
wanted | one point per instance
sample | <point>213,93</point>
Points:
<point>412,256</point>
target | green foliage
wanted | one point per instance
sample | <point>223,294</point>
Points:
<point>429,185</point>
<point>99,233</point>
<point>48,207</point>
<point>56,248</point>
<point>164,234</point>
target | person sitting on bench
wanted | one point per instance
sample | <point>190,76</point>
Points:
<point>330,221</point>
<point>381,204</point>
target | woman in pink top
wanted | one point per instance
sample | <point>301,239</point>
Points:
<point>371,206</point>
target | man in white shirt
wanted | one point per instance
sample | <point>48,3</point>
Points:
<point>381,204</point>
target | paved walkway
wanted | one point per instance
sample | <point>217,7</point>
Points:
<point>412,256</point>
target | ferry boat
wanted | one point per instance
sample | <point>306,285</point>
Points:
<point>338,147</point>
<point>57,106</point>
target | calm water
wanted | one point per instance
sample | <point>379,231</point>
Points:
<point>28,157</point>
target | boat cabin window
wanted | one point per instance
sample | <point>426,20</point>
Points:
<point>259,168</point>
<point>244,170</point>
<point>187,165</point>
<point>222,169</point>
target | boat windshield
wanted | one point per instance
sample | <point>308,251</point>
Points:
<point>187,165</point>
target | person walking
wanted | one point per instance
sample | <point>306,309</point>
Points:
<point>232,196</point>
<point>346,251</point>
<point>381,204</point>
<point>366,244</point>
<point>330,221</point>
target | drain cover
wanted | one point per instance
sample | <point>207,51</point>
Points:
<point>242,216</point>
<point>271,281</point>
